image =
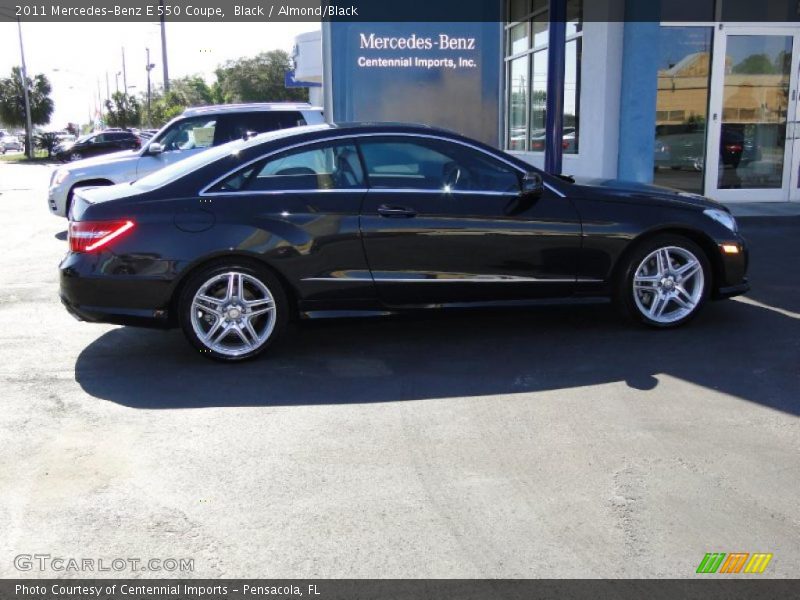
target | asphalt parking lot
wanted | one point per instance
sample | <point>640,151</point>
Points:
<point>555,442</point>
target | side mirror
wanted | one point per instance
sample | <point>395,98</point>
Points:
<point>532,185</point>
<point>155,148</point>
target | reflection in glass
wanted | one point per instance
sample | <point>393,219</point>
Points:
<point>572,96</point>
<point>539,101</point>
<point>539,26</point>
<point>518,103</point>
<point>682,106</point>
<point>518,38</point>
<point>754,111</point>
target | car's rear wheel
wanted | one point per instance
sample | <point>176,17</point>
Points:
<point>665,282</point>
<point>233,312</point>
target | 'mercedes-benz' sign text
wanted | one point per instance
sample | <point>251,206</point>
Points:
<point>423,52</point>
<point>414,42</point>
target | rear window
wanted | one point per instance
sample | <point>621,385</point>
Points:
<point>234,126</point>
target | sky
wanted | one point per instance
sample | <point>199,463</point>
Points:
<point>77,56</point>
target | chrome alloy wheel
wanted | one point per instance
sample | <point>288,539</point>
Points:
<point>668,284</point>
<point>233,314</point>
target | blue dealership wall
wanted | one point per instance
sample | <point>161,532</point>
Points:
<point>442,74</point>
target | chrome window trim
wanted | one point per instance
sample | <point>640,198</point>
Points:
<point>474,279</point>
<point>357,136</point>
<point>366,190</point>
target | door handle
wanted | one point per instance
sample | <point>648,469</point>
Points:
<point>396,212</point>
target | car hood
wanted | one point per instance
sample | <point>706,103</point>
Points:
<point>641,193</point>
<point>104,159</point>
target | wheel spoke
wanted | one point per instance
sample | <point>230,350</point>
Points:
<point>231,291</point>
<point>241,335</point>
<point>259,307</point>
<point>681,301</point>
<point>215,329</point>
<point>208,304</point>
<point>248,327</point>
<point>660,302</point>
<point>663,261</point>
<point>688,270</point>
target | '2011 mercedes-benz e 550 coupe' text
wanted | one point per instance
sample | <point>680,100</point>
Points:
<point>230,243</point>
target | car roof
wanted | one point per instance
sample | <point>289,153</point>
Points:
<point>248,107</point>
<point>354,128</point>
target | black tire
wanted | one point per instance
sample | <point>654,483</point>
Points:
<point>185,306</point>
<point>75,156</point>
<point>624,295</point>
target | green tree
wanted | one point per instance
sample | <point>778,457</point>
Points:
<point>183,93</point>
<point>257,79</point>
<point>123,110</point>
<point>12,99</point>
<point>755,64</point>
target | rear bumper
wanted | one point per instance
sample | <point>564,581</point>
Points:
<point>155,318</point>
<point>90,293</point>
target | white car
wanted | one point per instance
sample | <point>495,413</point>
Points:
<point>194,131</point>
<point>9,142</point>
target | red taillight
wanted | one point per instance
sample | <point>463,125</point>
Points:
<point>733,147</point>
<point>88,236</point>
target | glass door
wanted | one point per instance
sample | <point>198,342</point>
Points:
<point>751,153</point>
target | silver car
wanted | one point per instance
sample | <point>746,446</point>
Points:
<point>194,131</point>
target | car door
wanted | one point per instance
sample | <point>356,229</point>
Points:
<point>443,221</point>
<point>304,203</point>
<point>182,139</point>
<point>93,146</point>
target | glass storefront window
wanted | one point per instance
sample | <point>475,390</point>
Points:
<point>755,108</point>
<point>518,86</point>
<point>526,127</point>
<point>682,106</point>
<point>518,38</point>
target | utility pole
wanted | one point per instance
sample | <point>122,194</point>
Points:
<point>28,125</point>
<point>148,68</point>
<point>108,89</point>
<point>124,73</point>
<point>165,68</point>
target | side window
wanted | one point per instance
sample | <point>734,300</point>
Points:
<point>434,165</point>
<point>189,134</point>
<point>332,166</point>
<point>234,126</point>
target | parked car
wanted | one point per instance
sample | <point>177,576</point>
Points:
<point>96,144</point>
<point>10,142</point>
<point>229,243</point>
<point>194,131</point>
<point>567,142</point>
<point>684,146</point>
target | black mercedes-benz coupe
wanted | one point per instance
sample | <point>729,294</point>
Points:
<point>231,243</point>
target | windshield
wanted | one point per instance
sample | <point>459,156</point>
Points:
<point>177,170</point>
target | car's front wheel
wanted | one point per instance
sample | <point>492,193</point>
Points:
<point>75,156</point>
<point>665,282</point>
<point>232,312</point>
